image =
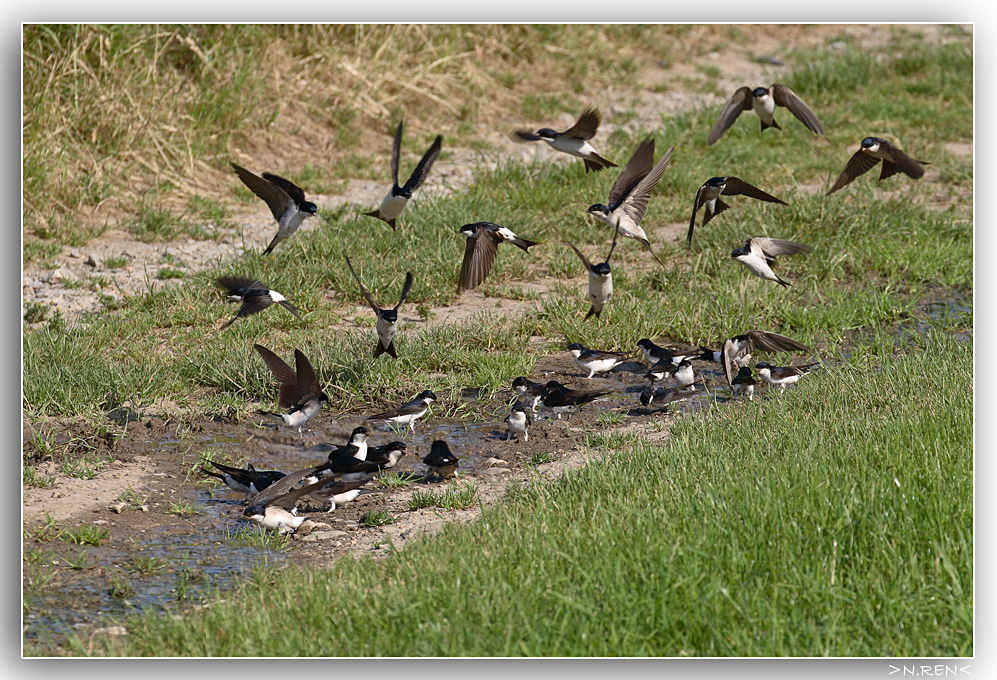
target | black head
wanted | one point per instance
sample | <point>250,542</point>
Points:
<point>359,431</point>
<point>645,396</point>
<point>250,468</point>
<point>575,345</point>
<point>869,142</point>
<point>743,374</point>
<point>308,207</point>
<point>684,363</point>
<point>759,92</point>
<point>257,509</point>
<point>401,191</point>
<point>323,398</point>
<point>707,354</point>
<point>553,385</point>
<point>763,364</point>
<point>601,269</point>
<point>598,208</point>
<point>395,446</point>
<point>715,182</point>
<point>742,251</point>
<point>547,133</point>
<point>520,383</point>
<point>427,394</point>
<point>645,343</point>
<point>389,315</point>
<point>469,229</point>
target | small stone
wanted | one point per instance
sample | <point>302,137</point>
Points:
<point>100,521</point>
<point>143,508</point>
<point>74,253</point>
<point>112,631</point>
<point>492,462</point>
<point>60,274</point>
<point>117,508</point>
<point>329,535</point>
<point>307,538</point>
<point>94,260</point>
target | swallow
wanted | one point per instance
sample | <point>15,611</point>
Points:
<point>681,372</point>
<point>782,375</point>
<point>707,354</point>
<point>518,422</point>
<point>349,466</point>
<point>573,141</point>
<point>744,382</point>
<point>600,278</point>
<point>395,201</point>
<point>285,200</point>
<point>655,353</point>
<point>387,319</point>
<point>631,192</point>
<point>758,255</point>
<point>440,460</point>
<point>254,296</point>
<point>388,454</point>
<point>407,413</point>
<point>358,439</point>
<point>483,239</point>
<point>872,151</point>
<point>528,388</point>
<point>594,361</point>
<point>739,348</point>
<point>249,481</point>
<point>649,396</point>
<point>561,399</point>
<point>763,100</point>
<point>299,389</point>
<point>340,491</point>
<point>278,510</point>
<point>709,194</point>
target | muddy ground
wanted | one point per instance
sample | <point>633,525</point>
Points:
<point>157,459</point>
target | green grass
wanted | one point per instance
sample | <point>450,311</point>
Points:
<point>833,520</point>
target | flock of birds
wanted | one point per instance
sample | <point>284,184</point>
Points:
<point>272,496</point>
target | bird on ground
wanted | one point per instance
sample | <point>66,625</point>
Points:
<point>299,389</point>
<point>358,438</point>
<point>561,399</point>
<point>707,354</point>
<point>739,348</point>
<point>782,375</point>
<point>631,193</point>
<point>387,319</point>
<point>681,372</point>
<point>708,196</point>
<point>595,361</point>
<point>440,460</point>
<point>284,198</point>
<point>600,279</point>
<point>655,353</point>
<point>873,150</point>
<point>279,511</point>
<point>648,397</point>
<point>407,413</point>
<point>758,255</point>
<point>518,422</point>
<point>340,491</point>
<point>528,388</point>
<point>763,101</point>
<point>744,382</point>
<point>573,141</point>
<point>254,296</point>
<point>248,480</point>
<point>483,239</point>
<point>398,197</point>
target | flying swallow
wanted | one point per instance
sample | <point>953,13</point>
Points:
<point>407,413</point>
<point>249,480</point>
<point>440,460</point>
<point>299,389</point>
<point>595,361</point>
<point>709,194</point>
<point>758,255</point>
<point>518,422</point>
<point>739,348</point>
<point>744,382</point>
<point>254,296</point>
<point>572,141</point>
<point>872,151</point>
<point>396,199</point>
<point>561,399</point>
<point>387,319</point>
<point>528,388</point>
<point>600,279</point>
<point>763,100</point>
<point>483,239</point>
<point>782,375</point>
<point>631,193</point>
<point>285,200</point>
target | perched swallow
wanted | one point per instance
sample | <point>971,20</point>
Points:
<point>648,396</point>
<point>872,151</point>
<point>396,200</point>
<point>572,141</point>
<point>654,354</point>
<point>782,375</point>
<point>387,455</point>
<point>709,196</point>
<point>254,296</point>
<point>358,439</point>
<point>274,517</point>
<point>483,239</point>
<point>340,491</point>
<point>440,460</point>
<point>758,255</point>
<point>249,481</point>
<point>278,512</point>
<point>285,200</point>
<point>716,356</point>
<point>299,390</point>
<point>347,465</point>
<point>407,413</point>
<point>594,361</point>
<point>387,319</point>
<point>763,100</point>
<point>528,388</point>
<point>739,348</point>
<point>744,382</point>
<point>680,372</point>
<point>600,279</point>
<point>561,399</point>
<point>631,192</point>
<point>518,422</point>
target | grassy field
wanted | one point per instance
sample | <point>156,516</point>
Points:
<point>833,520</point>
